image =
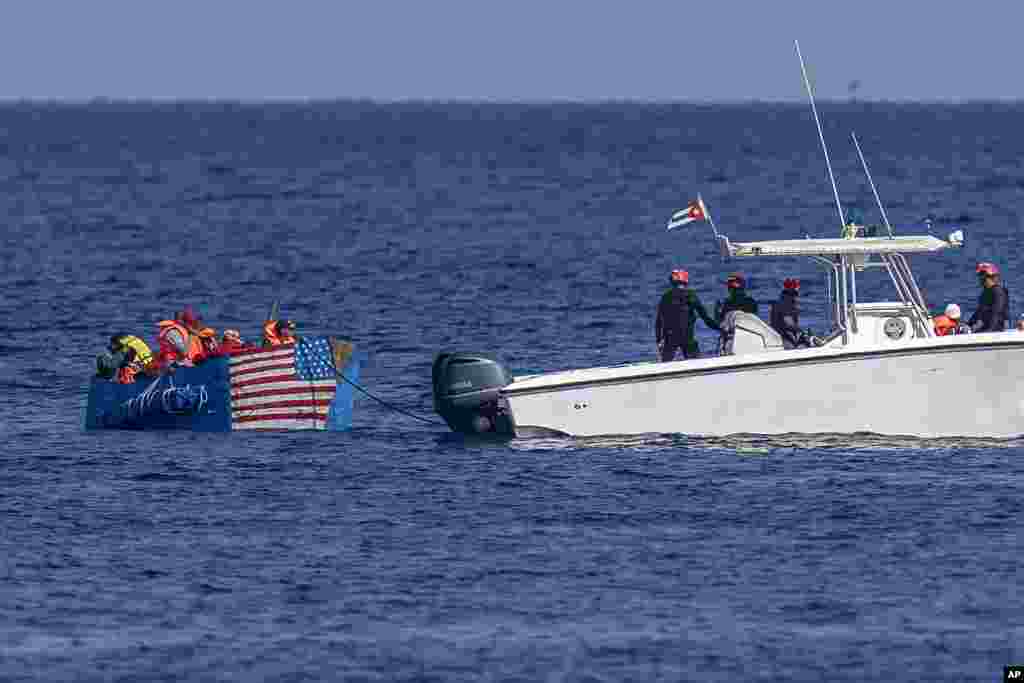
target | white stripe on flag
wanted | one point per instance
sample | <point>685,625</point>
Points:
<point>240,360</point>
<point>243,401</point>
<point>288,410</point>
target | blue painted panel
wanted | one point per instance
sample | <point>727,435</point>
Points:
<point>107,401</point>
<point>339,416</point>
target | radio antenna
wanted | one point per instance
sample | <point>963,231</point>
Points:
<point>821,136</point>
<point>866,171</point>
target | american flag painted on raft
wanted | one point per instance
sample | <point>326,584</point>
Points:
<point>283,388</point>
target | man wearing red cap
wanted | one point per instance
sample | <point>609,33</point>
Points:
<point>994,303</point>
<point>785,316</point>
<point>676,320</point>
<point>736,300</point>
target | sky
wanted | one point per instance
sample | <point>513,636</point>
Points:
<point>522,50</point>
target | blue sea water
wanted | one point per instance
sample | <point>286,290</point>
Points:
<point>398,551</point>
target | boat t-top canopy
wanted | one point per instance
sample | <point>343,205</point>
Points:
<point>910,244</point>
<point>845,256</point>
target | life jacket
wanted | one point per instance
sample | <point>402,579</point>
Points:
<point>271,337</point>
<point>176,342</point>
<point>208,341</point>
<point>126,375</point>
<point>944,325</point>
<point>143,355</point>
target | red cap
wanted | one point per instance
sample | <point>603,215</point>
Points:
<point>189,317</point>
<point>987,269</point>
<point>736,281</point>
<point>791,283</point>
<point>680,276</point>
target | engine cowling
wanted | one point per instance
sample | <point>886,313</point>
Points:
<point>467,393</point>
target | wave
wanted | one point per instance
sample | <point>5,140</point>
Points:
<point>286,195</point>
<point>765,443</point>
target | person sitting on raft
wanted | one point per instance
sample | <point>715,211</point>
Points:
<point>278,333</point>
<point>178,343</point>
<point>232,342</point>
<point>128,356</point>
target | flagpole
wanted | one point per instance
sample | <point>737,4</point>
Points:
<point>714,228</point>
<point>868,173</point>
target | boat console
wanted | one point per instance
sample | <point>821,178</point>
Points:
<point>744,332</point>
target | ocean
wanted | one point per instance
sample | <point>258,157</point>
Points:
<point>399,551</point>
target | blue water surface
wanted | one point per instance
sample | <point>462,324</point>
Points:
<point>398,551</point>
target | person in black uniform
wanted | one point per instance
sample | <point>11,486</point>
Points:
<point>785,315</point>
<point>737,299</point>
<point>676,321</point>
<point>994,303</point>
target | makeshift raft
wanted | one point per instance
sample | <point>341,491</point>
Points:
<point>299,386</point>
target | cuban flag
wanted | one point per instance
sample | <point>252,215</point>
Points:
<point>694,211</point>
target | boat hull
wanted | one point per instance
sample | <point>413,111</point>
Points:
<point>967,386</point>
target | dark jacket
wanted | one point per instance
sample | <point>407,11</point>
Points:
<point>677,315</point>
<point>785,319</point>
<point>993,310</point>
<point>738,300</point>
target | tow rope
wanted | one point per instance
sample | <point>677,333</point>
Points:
<point>391,406</point>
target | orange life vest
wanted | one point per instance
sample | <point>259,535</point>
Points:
<point>271,337</point>
<point>944,325</point>
<point>170,349</point>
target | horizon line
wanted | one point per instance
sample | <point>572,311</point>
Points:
<point>484,101</point>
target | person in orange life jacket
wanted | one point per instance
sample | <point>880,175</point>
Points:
<point>278,333</point>
<point>676,319</point>
<point>994,303</point>
<point>949,322</point>
<point>785,316</point>
<point>178,344</point>
<point>208,340</point>
<point>232,342</point>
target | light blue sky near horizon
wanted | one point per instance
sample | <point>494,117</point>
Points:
<point>528,50</point>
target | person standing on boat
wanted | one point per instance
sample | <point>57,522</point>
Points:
<point>736,300</point>
<point>785,316</point>
<point>676,321</point>
<point>994,303</point>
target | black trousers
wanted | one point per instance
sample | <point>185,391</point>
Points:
<point>688,348</point>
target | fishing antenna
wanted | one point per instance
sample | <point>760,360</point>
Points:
<point>821,136</point>
<point>866,171</point>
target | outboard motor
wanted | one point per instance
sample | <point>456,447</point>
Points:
<point>467,393</point>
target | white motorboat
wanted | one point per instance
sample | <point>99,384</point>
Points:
<point>881,370</point>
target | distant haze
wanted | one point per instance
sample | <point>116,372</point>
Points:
<point>722,50</point>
